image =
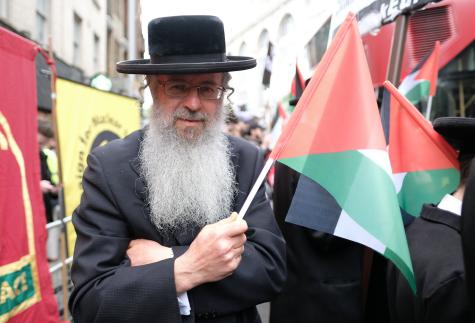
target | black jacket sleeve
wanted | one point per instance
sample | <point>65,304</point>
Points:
<point>106,287</point>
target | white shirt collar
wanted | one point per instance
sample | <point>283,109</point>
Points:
<point>451,204</point>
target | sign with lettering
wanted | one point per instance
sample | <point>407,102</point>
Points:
<point>26,294</point>
<point>88,118</point>
<point>372,15</point>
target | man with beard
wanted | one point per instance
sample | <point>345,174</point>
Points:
<point>156,242</point>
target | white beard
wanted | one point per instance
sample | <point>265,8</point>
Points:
<point>190,181</point>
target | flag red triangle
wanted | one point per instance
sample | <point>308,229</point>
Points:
<point>337,111</point>
<point>281,111</point>
<point>430,69</point>
<point>414,145</point>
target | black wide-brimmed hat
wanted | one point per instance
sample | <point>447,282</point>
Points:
<point>186,45</point>
<point>459,132</point>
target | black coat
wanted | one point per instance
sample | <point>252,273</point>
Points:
<point>48,198</point>
<point>468,236</point>
<point>113,211</point>
<point>324,271</point>
<point>436,252</point>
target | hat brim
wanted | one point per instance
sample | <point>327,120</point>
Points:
<point>458,131</point>
<point>143,66</point>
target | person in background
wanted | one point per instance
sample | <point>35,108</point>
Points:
<point>435,246</point>
<point>49,168</point>
<point>324,281</point>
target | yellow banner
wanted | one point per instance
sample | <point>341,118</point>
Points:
<point>87,118</point>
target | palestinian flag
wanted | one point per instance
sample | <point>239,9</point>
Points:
<point>424,165</point>
<point>335,140</point>
<point>298,84</point>
<point>280,118</point>
<point>421,83</point>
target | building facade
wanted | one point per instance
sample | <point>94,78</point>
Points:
<point>297,33</point>
<point>87,37</point>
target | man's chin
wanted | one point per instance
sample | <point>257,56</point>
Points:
<point>190,134</point>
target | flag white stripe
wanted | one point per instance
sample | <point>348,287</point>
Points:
<point>348,228</point>
<point>379,157</point>
<point>398,179</point>
<point>409,83</point>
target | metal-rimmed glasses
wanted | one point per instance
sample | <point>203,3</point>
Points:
<point>180,89</point>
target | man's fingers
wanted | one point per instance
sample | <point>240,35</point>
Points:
<point>233,216</point>
<point>239,240</point>
<point>229,219</point>
<point>236,228</point>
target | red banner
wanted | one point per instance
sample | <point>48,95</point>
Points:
<point>26,293</point>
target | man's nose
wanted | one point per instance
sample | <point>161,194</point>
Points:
<point>192,100</point>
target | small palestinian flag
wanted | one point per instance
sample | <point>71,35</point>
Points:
<point>298,84</point>
<point>424,165</point>
<point>421,83</point>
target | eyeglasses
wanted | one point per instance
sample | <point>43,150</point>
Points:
<point>178,89</point>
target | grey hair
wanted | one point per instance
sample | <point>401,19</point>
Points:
<point>226,78</point>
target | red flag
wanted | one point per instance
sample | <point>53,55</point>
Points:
<point>26,291</point>
<point>298,83</point>
<point>281,111</point>
<point>424,165</point>
<point>430,69</point>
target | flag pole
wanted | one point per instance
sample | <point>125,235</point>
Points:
<point>429,107</point>
<point>255,188</point>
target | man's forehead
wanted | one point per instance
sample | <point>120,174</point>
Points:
<point>194,78</point>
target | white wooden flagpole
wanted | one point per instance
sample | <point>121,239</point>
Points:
<point>255,188</point>
<point>429,108</point>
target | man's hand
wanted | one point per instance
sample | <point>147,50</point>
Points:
<point>46,186</point>
<point>143,252</point>
<point>213,255</point>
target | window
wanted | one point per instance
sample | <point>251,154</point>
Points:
<point>41,28</point>
<point>262,42</point>
<point>455,96</point>
<point>317,46</point>
<point>286,26</point>
<point>77,40</point>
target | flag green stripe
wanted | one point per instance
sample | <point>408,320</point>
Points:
<point>419,91</point>
<point>426,187</point>
<point>363,189</point>
<point>402,266</point>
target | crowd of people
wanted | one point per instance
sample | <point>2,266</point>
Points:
<point>158,239</point>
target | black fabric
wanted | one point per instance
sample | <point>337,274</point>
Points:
<point>324,271</point>
<point>436,252</point>
<point>185,35</point>
<point>186,44</point>
<point>376,307</point>
<point>468,235</point>
<point>459,132</point>
<point>113,211</point>
<point>48,198</point>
